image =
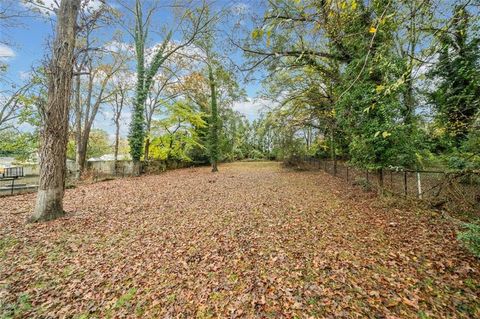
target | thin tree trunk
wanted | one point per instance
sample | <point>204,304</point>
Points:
<point>53,151</point>
<point>213,122</point>
<point>409,94</point>
<point>82,156</point>
<point>332,150</point>
<point>147,147</point>
<point>117,138</point>
<point>78,125</point>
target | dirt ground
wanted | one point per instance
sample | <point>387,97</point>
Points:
<point>253,241</point>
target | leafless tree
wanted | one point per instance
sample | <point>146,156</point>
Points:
<point>11,103</point>
<point>121,88</point>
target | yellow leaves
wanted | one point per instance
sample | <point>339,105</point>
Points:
<point>257,34</point>
<point>344,4</point>
<point>354,5</point>
<point>269,35</point>
<point>368,108</point>
<point>385,134</point>
<point>379,89</point>
<point>310,70</point>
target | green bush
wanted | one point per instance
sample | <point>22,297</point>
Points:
<point>256,155</point>
<point>470,237</point>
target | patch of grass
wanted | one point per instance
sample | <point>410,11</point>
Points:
<point>466,308</point>
<point>17,309</point>
<point>471,283</point>
<point>40,284</point>
<point>6,244</point>
<point>204,313</point>
<point>364,184</point>
<point>171,298</point>
<point>313,300</point>
<point>233,278</point>
<point>68,271</point>
<point>124,300</point>
<point>217,296</point>
<point>309,275</point>
<point>423,315</point>
<point>470,238</point>
<point>139,310</point>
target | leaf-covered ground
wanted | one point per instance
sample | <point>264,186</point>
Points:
<point>253,241</point>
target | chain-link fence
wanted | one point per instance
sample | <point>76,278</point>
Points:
<point>452,190</point>
<point>16,180</point>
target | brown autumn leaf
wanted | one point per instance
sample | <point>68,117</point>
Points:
<point>261,241</point>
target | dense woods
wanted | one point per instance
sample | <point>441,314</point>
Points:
<point>380,83</point>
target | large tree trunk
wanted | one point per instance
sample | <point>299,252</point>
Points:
<point>55,131</point>
<point>137,168</point>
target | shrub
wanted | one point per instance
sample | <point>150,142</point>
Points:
<point>256,155</point>
<point>470,237</point>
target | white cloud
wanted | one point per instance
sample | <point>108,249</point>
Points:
<point>25,75</point>
<point>240,8</point>
<point>48,7</point>
<point>252,107</point>
<point>6,52</point>
<point>117,46</point>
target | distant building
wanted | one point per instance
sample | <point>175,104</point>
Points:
<point>6,162</point>
<point>110,157</point>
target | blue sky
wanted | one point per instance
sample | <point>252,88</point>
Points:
<point>27,43</point>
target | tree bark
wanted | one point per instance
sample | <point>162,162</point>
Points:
<point>81,155</point>
<point>117,112</point>
<point>137,168</point>
<point>213,122</point>
<point>54,136</point>
<point>147,147</point>
<point>332,150</point>
<point>117,139</point>
<point>78,124</point>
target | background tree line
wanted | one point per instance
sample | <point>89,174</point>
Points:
<point>378,83</point>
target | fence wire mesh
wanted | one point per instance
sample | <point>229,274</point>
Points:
<point>452,190</point>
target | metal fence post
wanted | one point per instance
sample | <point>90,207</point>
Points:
<point>405,183</point>
<point>419,186</point>
<point>347,173</point>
